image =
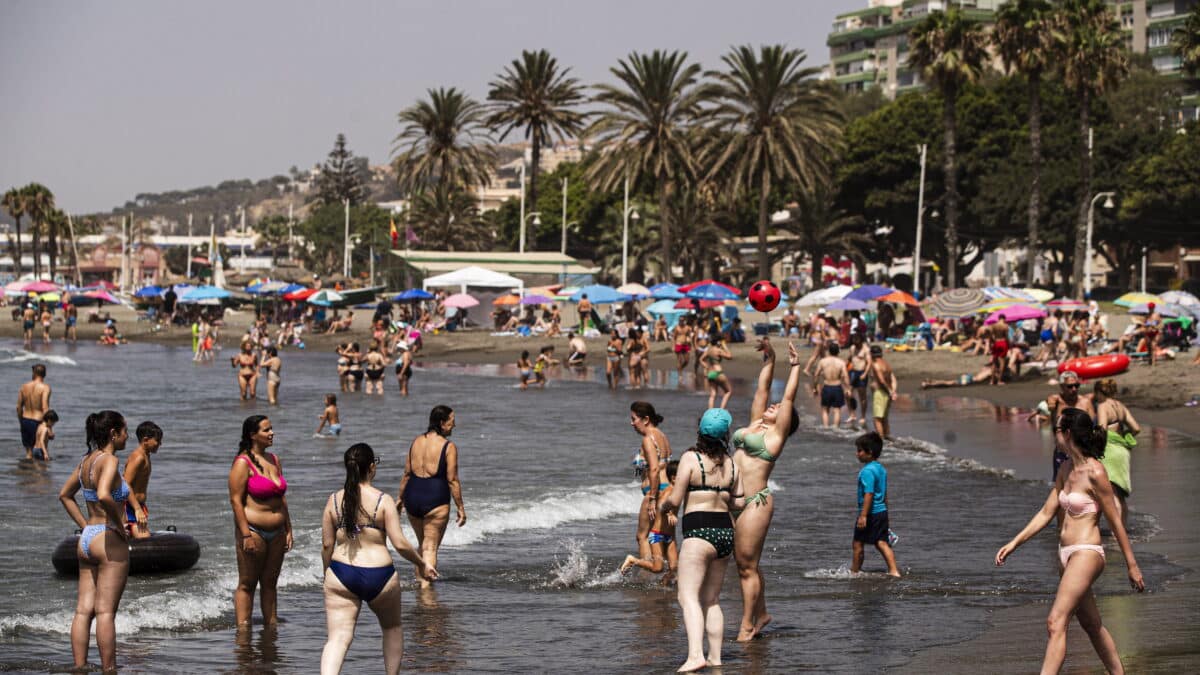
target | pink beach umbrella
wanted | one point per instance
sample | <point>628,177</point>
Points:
<point>1014,313</point>
<point>39,287</point>
<point>460,301</point>
<point>102,296</point>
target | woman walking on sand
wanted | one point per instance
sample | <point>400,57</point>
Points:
<point>358,522</point>
<point>1081,493</point>
<point>430,481</point>
<point>757,447</point>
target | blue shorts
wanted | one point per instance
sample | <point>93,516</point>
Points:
<point>857,380</point>
<point>832,396</point>
<point>29,429</point>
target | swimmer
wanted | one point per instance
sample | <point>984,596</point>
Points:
<point>524,369</point>
<point>273,365</point>
<point>373,366</point>
<point>650,465</point>
<point>833,383</point>
<point>262,524</point>
<point>358,522</point>
<point>33,400</point>
<point>1081,493</point>
<point>544,358</point>
<point>710,358</point>
<point>137,475</point>
<point>45,434</point>
<point>858,371</point>
<point>329,416</point>
<point>427,497</point>
<point>404,367</point>
<point>663,552</point>
<point>247,370</point>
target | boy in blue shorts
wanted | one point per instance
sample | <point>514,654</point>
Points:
<point>872,524</point>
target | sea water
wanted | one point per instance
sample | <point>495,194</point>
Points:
<point>530,583</point>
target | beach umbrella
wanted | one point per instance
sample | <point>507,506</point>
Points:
<point>1067,305</point>
<point>638,291</point>
<point>696,303</point>
<point>413,295</point>
<point>665,291</point>
<point>507,300</point>
<point>460,301</point>
<point>149,292</point>
<point>600,294</point>
<point>711,291</point>
<point>203,293</point>
<point>1181,298</point>
<point>302,294</point>
<point>705,282</point>
<point>823,296</point>
<point>1040,294</point>
<point>1131,299</point>
<point>1015,313</point>
<point>291,288</point>
<point>1168,309</point>
<point>102,296</point>
<point>994,292</point>
<point>268,287</point>
<point>49,297</point>
<point>39,287</point>
<point>664,306</point>
<point>900,297</point>
<point>957,303</point>
<point>536,300</point>
<point>325,297</point>
<point>847,305</point>
<point>868,292</point>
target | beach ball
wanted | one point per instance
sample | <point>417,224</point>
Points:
<point>764,296</point>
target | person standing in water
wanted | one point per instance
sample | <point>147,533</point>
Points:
<point>1122,430</point>
<point>872,524</point>
<point>884,390</point>
<point>1069,397</point>
<point>358,522</point>
<point>137,476</point>
<point>427,497</point>
<point>273,365</point>
<point>262,524</point>
<point>859,367</point>
<point>706,486</point>
<point>45,434</point>
<point>1081,493</point>
<point>650,465</point>
<point>103,544</point>
<point>757,447</point>
<point>247,369</point>
<point>403,367</point>
<point>33,400</point>
<point>710,359</point>
<point>664,555</point>
<point>833,383</point>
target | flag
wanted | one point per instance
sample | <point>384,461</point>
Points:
<point>395,236</point>
<point>410,236</point>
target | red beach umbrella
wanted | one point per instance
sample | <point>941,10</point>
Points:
<point>702,282</point>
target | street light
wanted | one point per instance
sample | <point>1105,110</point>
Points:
<point>537,220</point>
<point>630,212</point>
<point>565,227</point>
<point>1087,259</point>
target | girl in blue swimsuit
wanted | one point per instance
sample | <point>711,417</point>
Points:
<point>358,522</point>
<point>103,544</point>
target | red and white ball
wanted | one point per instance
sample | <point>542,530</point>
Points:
<point>764,296</point>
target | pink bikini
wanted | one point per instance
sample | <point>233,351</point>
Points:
<point>259,486</point>
<point>1077,504</point>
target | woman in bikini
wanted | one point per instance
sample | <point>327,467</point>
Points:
<point>262,525</point>
<point>637,355</point>
<point>247,367</point>
<point>358,522</point>
<point>650,464</point>
<point>525,369</point>
<point>430,481</point>
<point>273,365</point>
<point>710,358</point>
<point>757,446</point>
<point>374,366</point>
<point>103,543</point>
<point>707,485</point>
<point>1081,493</point>
<point>612,360</point>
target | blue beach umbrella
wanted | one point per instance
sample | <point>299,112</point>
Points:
<point>205,293</point>
<point>413,295</point>
<point>292,288</point>
<point>665,291</point>
<point>711,292</point>
<point>847,305</point>
<point>868,292</point>
<point>149,292</point>
<point>600,294</point>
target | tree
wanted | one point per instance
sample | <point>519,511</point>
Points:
<point>16,204</point>
<point>646,128</point>
<point>1093,61</point>
<point>1025,41</point>
<point>774,122</point>
<point>533,93</point>
<point>821,227</point>
<point>949,50</point>
<point>323,234</point>
<point>56,221</point>
<point>1186,42</point>
<point>273,231</point>
<point>444,141</point>
<point>339,179</point>
<point>39,206</point>
<point>449,220</point>
<point>644,232</point>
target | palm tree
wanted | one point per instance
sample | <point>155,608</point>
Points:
<point>645,129</point>
<point>1093,61</point>
<point>39,206</point>
<point>443,142</point>
<point>949,50</point>
<point>56,222</point>
<point>15,203</point>
<point>702,221</point>
<point>533,93</point>
<point>821,227</point>
<point>1186,42</point>
<point>448,219</point>
<point>1023,36</point>
<point>644,232</point>
<point>774,122</point>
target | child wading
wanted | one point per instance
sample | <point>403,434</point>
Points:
<point>872,524</point>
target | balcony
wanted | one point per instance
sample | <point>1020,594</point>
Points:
<point>851,78</point>
<point>860,55</point>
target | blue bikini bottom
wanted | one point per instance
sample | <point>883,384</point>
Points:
<point>365,582</point>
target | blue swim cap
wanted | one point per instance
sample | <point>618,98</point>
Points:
<point>715,423</point>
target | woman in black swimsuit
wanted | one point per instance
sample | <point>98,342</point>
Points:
<point>430,481</point>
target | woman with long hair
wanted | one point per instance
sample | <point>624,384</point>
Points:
<point>262,525</point>
<point>356,526</point>
<point>273,365</point>
<point>1081,493</point>
<point>247,366</point>
<point>430,481</point>
<point>757,446</point>
<point>103,543</point>
<point>650,464</point>
<point>707,484</point>
<point>1121,430</point>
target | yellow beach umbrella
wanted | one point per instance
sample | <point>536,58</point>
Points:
<point>1135,298</point>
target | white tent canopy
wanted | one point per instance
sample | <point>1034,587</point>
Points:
<point>475,276</point>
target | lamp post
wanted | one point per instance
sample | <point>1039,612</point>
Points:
<point>536,216</point>
<point>920,215</point>
<point>346,242</point>
<point>626,214</point>
<point>1087,259</point>
<point>521,243</point>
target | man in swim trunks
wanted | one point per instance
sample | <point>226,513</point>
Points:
<point>833,383</point>
<point>999,334</point>
<point>33,400</point>
<point>585,313</point>
<point>683,344</point>
<point>70,318</point>
<point>860,364</point>
<point>1068,397</point>
<point>28,317</point>
<point>884,391</point>
<point>137,475</point>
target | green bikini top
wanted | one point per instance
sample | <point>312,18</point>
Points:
<point>754,445</point>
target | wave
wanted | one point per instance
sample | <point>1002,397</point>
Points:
<point>20,356</point>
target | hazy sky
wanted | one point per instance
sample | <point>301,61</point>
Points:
<point>103,100</point>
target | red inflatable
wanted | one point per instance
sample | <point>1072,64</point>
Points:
<point>1095,367</point>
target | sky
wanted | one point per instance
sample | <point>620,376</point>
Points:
<point>105,100</point>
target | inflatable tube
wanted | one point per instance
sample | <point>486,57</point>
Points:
<point>167,551</point>
<point>1095,367</point>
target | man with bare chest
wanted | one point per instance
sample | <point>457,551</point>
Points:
<point>33,400</point>
<point>1068,397</point>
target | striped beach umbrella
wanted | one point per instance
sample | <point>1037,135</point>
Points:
<point>1131,299</point>
<point>1066,305</point>
<point>957,303</point>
